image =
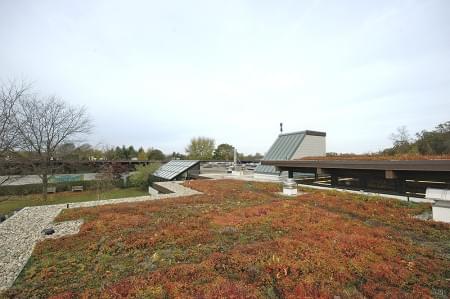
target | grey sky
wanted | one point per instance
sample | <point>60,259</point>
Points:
<point>156,73</point>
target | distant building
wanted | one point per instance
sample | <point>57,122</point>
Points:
<point>292,146</point>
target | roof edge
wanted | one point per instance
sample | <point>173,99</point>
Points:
<point>306,132</point>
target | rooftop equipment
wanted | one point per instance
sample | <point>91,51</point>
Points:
<point>441,205</point>
<point>289,187</point>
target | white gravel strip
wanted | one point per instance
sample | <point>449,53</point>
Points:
<point>20,232</point>
<point>18,236</point>
<point>65,228</point>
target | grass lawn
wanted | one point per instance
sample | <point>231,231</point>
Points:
<point>243,240</point>
<point>10,203</point>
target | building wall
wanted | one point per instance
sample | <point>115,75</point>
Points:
<point>311,146</point>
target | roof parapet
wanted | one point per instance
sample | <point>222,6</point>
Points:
<point>306,132</point>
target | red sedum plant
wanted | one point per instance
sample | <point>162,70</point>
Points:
<point>244,240</point>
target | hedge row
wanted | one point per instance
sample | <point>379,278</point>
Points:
<point>60,187</point>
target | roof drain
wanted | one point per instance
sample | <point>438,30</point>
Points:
<point>48,231</point>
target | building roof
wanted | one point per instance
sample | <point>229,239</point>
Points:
<point>174,168</point>
<point>282,149</point>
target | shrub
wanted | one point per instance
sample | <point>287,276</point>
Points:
<point>141,178</point>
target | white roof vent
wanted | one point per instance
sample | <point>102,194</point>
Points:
<point>441,205</point>
<point>438,194</point>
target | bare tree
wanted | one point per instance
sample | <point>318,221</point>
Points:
<point>401,137</point>
<point>45,124</point>
<point>10,94</point>
<point>401,140</point>
<point>104,179</point>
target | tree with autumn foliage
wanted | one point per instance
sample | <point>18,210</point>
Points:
<point>224,151</point>
<point>201,148</point>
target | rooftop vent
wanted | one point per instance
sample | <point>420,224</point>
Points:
<point>441,205</point>
<point>289,187</point>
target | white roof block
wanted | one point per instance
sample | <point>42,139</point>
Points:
<point>437,194</point>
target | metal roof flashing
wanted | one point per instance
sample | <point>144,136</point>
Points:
<point>305,132</point>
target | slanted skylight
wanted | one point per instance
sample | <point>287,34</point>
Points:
<point>174,168</point>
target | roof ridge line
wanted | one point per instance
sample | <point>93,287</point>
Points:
<point>306,132</point>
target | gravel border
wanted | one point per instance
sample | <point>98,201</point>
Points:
<point>65,228</point>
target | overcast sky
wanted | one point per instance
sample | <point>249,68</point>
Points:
<point>157,73</point>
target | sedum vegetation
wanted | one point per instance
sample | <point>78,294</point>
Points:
<point>243,240</point>
<point>380,157</point>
